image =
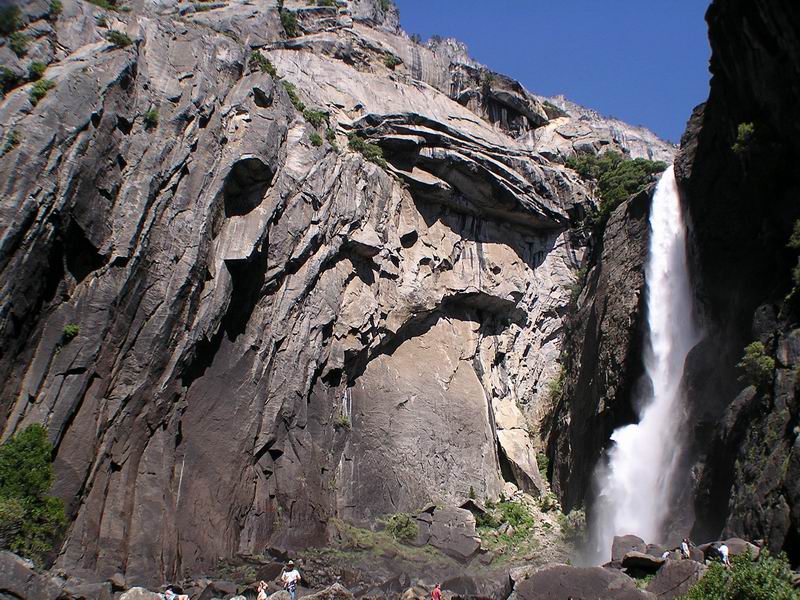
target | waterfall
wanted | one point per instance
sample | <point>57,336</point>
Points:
<point>635,486</point>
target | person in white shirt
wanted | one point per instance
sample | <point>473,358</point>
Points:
<point>724,552</point>
<point>290,578</point>
<point>685,548</point>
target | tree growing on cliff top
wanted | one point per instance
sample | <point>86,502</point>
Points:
<point>30,520</point>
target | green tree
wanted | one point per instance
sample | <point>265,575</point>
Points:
<point>30,520</point>
<point>756,365</point>
<point>768,578</point>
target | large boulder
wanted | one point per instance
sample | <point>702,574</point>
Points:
<point>640,561</point>
<point>18,579</point>
<point>219,589</point>
<point>562,582</point>
<point>491,586</point>
<point>139,593</point>
<point>626,543</point>
<point>674,579</point>
<point>334,592</point>
<point>452,531</point>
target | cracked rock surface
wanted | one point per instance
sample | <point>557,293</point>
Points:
<point>272,332</point>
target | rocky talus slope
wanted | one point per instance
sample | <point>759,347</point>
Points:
<point>235,327</point>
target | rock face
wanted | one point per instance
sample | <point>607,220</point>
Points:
<point>272,330</point>
<point>18,579</point>
<point>746,452</point>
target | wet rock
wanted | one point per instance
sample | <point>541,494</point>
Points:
<point>640,561</point>
<point>623,544</point>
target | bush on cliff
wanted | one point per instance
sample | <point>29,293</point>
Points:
<point>768,578</point>
<point>402,527</point>
<point>30,520</point>
<point>756,365</point>
<point>617,178</point>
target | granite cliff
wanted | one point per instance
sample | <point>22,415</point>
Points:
<point>235,323</point>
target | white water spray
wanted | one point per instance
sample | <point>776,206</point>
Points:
<point>636,485</point>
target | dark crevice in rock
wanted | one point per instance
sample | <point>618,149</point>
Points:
<point>246,185</point>
<point>505,466</point>
<point>80,256</point>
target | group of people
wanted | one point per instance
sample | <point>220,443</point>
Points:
<point>722,552</point>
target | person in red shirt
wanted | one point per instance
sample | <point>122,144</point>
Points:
<point>436,594</point>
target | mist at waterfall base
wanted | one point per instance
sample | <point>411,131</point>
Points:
<point>635,484</point>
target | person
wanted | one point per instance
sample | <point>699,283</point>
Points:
<point>436,594</point>
<point>169,594</point>
<point>724,552</point>
<point>290,578</point>
<point>665,554</point>
<point>262,590</point>
<point>685,549</point>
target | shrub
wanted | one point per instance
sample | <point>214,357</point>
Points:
<point>548,502</point>
<point>372,152</point>
<point>617,178</point>
<point>402,527</point>
<point>291,91</point>
<point>794,240</point>
<point>315,117</point>
<point>415,38</point>
<point>261,62</point>
<point>515,513</point>
<point>289,22</point>
<point>390,60</point>
<point>471,494</point>
<point>13,140</point>
<point>330,135</point>
<point>552,111</point>
<point>386,5</point>
<point>757,366</point>
<point>487,81</point>
<point>10,19</point>
<point>316,139</point>
<point>8,79</point>
<point>70,332</point>
<point>35,70</point>
<point>40,89</point>
<point>18,42</point>
<point>543,462</point>
<point>56,7</point>
<point>573,526</point>
<point>768,578</point>
<point>342,422</point>
<point>744,138</point>
<point>326,3</point>
<point>151,119</point>
<point>555,387</point>
<point>101,21</point>
<point>119,39</point>
<point>105,4</point>
<point>29,519</point>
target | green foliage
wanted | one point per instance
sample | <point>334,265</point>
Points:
<point>487,82</point>
<point>29,519</point>
<point>552,111</point>
<point>617,178</point>
<point>472,495</point>
<point>18,42</point>
<point>543,462</point>
<point>13,140</point>
<point>35,70</point>
<point>119,39</point>
<point>386,5</point>
<point>289,22</point>
<point>575,288</point>
<point>794,240</point>
<point>294,97</point>
<point>261,62</point>
<point>316,139</point>
<point>744,138</point>
<point>768,578</point>
<point>402,527</point>
<point>70,332</point>
<point>315,117</point>
<point>40,89</point>
<point>573,527</point>
<point>326,3</point>
<point>342,422</point>
<point>8,79</point>
<point>151,119</point>
<point>101,21</point>
<point>756,364</point>
<point>555,387</point>
<point>105,4</point>
<point>372,152</point>
<point>204,7</point>
<point>330,135</point>
<point>56,6</point>
<point>391,60</point>
<point>415,38</point>
<point>10,19</point>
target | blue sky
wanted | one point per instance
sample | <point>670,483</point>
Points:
<point>645,62</point>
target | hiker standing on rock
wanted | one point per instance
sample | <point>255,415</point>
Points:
<point>685,549</point>
<point>724,553</point>
<point>436,594</point>
<point>290,577</point>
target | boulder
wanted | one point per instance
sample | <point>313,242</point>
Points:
<point>453,532</point>
<point>18,579</point>
<point>737,546</point>
<point>674,579</point>
<point>491,586</point>
<point>626,543</point>
<point>138,593</point>
<point>117,581</point>
<point>641,561</point>
<point>562,582</point>
<point>655,550</point>
<point>218,588</point>
<point>280,595</point>
<point>334,592</point>
<point>79,590</point>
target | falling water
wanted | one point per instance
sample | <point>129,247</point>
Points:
<point>635,486</point>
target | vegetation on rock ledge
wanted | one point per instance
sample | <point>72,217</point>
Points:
<point>756,364</point>
<point>767,578</point>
